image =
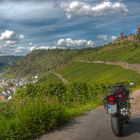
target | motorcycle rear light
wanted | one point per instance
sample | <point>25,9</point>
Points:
<point>112,100</point>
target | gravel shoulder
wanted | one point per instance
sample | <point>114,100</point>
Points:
<point>135,103</point>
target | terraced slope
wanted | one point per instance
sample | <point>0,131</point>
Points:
<point>94,73</point>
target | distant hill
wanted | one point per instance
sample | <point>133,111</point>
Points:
<point>41,61</point>
<point>8,61</point>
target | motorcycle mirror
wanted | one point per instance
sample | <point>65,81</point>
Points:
<point>132,84</point>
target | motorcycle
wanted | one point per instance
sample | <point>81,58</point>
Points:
<point>118,107</point>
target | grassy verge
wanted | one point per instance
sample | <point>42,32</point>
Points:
<point>80,109</point>
<point>32,120</point>
<point>38,108</point>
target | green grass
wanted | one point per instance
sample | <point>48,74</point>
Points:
<point>30,119</point>
<point>80,109</point>
<point>41,107</point>
<point>98,73</point>
<point>48,78</point>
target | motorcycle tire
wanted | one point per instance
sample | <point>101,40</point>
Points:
<point>116,126</point>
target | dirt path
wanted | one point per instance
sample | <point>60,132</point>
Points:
<point>135,103</point>
<point>60,77</point>
<point>135,67</point>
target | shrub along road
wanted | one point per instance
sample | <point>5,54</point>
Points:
<point>94,125</point>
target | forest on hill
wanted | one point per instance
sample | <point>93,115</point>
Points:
<point>8,61</point>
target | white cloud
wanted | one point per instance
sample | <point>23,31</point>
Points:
<point>113,38</point>
<point>75,43</point>
<point>44,47</point>
<point>7,35</point>
<point>21,36</point>
<point>106,38</point>
<point>11,42</point>
<point>1,46</point>
<point>50,47</point>
<point>63,44</point>
<point>77,8</point>
<point>19,49</point>
<point>30,44</point>
<point>32,48</point>
<point>102,37</point>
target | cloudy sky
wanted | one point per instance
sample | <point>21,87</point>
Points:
<point>26,25</point>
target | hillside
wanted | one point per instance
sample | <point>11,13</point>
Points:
<point>6,61</point>
<point>40,61</point>
<point>93,74</point>
<point>128,52</point>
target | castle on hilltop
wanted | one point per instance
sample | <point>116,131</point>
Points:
<point>130,38</point>
<point>138,31</point>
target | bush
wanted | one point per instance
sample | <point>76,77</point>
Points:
<point>38,108</point>
<point>32,120</point>
<point>76,93</point>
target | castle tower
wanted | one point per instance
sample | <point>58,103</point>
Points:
<point>138,34</point>
<point>121,36</point>
<point>138,31</point>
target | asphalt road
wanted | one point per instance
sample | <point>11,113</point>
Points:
<point>94,125</point>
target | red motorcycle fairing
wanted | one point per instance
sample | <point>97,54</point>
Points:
<point>111,99</point>
<point>122,96</point>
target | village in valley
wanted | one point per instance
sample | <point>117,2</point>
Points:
<point>8,86</point>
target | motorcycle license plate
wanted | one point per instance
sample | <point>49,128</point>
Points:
<point>112,108</point>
